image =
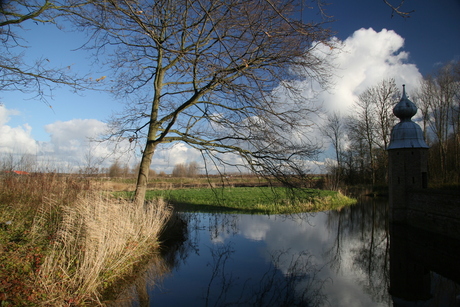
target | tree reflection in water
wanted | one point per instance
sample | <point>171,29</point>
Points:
<point>364,227</point>
<point>292,281</point>
<point>150,274</point>
<point>336,258</point>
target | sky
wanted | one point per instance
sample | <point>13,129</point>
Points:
<point>375,45</point>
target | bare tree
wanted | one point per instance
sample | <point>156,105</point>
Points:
<point>384,97</point>
<point>422,97</point>
<point>217,75</point>
<point>364,127</point>
<point>10,162</point>
<point>356,157</point>
<point>334,130</point>
<point>192,169</point>
<point>179,170</point>
<point>185,170</point>
<point>16,72</point>
<point>456,120</point>
<point>91,164</point>
<point>440,104</point>
<point>118,170</point>
<point>371,123</point>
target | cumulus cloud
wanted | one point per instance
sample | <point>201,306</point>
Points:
<point>77,142</point>
<point>364,60</point>
<point>69,147</point>
<point>70,136</point>
<point>15,139</point>
<point>361,61</point>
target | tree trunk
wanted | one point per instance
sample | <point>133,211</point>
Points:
<point>143,176</point>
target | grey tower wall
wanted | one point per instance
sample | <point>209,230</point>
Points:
<point>408,172</point>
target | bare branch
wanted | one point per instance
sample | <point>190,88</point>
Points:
<point>38,77</point>
<point>397,9</point>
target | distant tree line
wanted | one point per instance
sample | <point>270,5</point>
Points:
<point>186,170</point>
<point>118,169</point>
<point>360,139</point>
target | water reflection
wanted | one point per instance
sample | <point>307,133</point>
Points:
<point>361,244</point>
<point>423,268</point>
<point>151,274</point>
<point>298,286</point>
<point>337,258</point>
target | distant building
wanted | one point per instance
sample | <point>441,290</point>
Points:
<point>17,173</point>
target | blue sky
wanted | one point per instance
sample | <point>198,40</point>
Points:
<point>431,34</point>
<point>375,46</point>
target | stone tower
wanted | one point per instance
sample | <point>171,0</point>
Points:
<point>407,159</point>
<point>410,282</point>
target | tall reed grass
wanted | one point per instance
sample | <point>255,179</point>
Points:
<point>63,243</point>
<point>97,242</point>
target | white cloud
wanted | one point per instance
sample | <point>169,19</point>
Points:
<point>69,144</point>
<point>72,135</point>
<point>72,142</point>
<point>361,61</point>
<point>71,147</point>
<point>364,60</point>
<point>15,139</point>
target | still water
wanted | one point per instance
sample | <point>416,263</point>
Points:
<point>334,258</point>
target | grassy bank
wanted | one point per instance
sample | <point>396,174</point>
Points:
<point>63,244</point>
<point>255,200</point>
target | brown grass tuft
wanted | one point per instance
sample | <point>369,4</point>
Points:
<point>99,241</point>
<point>62,243</point>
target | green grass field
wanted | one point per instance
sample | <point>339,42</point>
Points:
<point>254,200</point>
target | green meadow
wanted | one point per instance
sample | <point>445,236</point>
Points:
<point>253,200</point>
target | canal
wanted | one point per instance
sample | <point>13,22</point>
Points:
<point>333,258</point>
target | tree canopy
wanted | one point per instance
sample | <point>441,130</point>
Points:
<point>217,75</point>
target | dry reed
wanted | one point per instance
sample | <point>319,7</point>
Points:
<point>99,240</point>
<point>64,243</point>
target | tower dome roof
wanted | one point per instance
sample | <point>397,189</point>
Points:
<point>406,134</point>
<point>405,109</point>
